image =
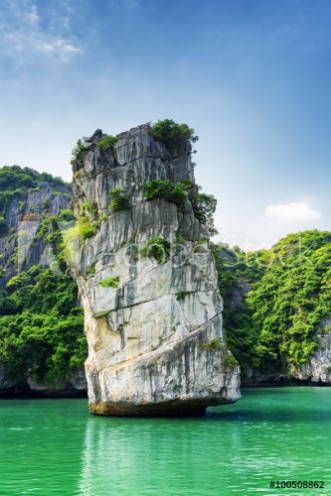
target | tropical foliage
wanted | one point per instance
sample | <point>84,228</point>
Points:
<point>274,328</point>
<point>118,200</point>
<point>203,205</point>
<point>41,326</point>
<point>15,182</point>
<point>172,134</point>
<point>157,248</point>
<point>108,141</point>
<point>41,323</point>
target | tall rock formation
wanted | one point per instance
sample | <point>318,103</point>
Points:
<point>147,282</point>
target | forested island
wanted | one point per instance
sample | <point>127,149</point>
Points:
<point>42,345</point>
<point>276,302</point>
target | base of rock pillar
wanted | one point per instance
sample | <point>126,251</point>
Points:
<point>167,409</point>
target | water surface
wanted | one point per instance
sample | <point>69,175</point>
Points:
<point>53,447</point>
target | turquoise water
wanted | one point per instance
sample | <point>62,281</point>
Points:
<point>53,447</point>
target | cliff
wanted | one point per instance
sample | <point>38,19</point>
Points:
<point>41,326</point>
<point>278,309</point>
<point>147,279</point>
<point>23,213</point>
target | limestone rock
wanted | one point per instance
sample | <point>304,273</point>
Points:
<point>318,367</point>
<point>66,386</point>
<point>156,345</point>
<point>23,213</point>
<point>16,213</point>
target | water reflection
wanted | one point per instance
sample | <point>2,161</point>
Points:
<point>233,450</point>
<point>171,456</point>
<point>145,457</point>
<point>56,448</point>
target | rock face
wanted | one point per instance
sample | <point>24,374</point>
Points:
<point>318,368</point>
<point>26,386</point>
<point>23,214</point>
<point>154,330</point>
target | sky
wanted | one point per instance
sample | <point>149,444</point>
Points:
<point>252,77</point>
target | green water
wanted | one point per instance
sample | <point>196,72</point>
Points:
<point>53,447</point>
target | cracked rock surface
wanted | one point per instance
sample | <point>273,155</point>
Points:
<point>154,330</point>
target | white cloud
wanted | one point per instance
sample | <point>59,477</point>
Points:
<point>58,46</point>
<point>32,15</point>
<point>25,31</point>
<point>292,211</point>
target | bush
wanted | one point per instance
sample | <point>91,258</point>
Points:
<point>89,209</point>
<point>108,141</point>
<point>230,361</point>
<point>204,207</point>
<point>182,295</point>
<point>46,204</point>
<point>119,201</point>
<point>158,248</point>
<point>110,282</point>
<point>21,206</point>
<point>164,188</point>
<point>77,153</point>
<point>179,193</point>
<point>214,344</point>
<point>158,188</point>
<point>3,225</point>
<point>66,215</point>
<point>91,270</point>
<point>173,135</point>
<point>85,228</point>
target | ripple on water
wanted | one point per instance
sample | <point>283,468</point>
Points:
<point>55,447</point>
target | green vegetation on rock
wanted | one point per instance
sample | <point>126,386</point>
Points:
<point>41,326</point>
<point>86,228</point>
<point>118,200</point>
<point>173,135</point>
<point>203,205</point>
<point>214,344</point>
<point>77,153</point>
<point>110,282</point>
<point>164,188</point>
<point>15,182</point>
<point>157,248</point>
<point>108,141</point>
<point>274,327</point>
<point>158,188</point>
<point>41,323</point>
<point>182,295</point>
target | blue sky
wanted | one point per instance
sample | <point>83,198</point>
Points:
<point>252,77</point>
